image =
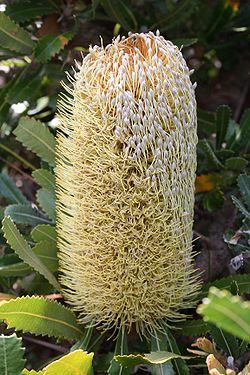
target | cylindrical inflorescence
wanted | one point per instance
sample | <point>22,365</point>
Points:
<point>126,161</point>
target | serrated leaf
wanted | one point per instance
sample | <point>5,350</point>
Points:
<point>40,316</point>
<point>154,358</point>
<point>44,233</point>
<point>32,372</point>
<point>206,121</point>
<point>49,45</point>
<point>223,113</point>
<point>10,191</point>
<point>182,10</point>
<point>121,348</point>
<point>244,186</point>
<point>22,214</point>
<point>159,344</point>
<point>121,12</point>
<point>24,87</point>
<point>47,253</point>
<point>245,129</point>
<point>213,200</point>
<point>236,163</point>
<point>241,207</point>
<point>210,155</point>
<point>75,363</point>
<point>11,355</point>
<point>46,200</point>
<point>228,312</point>
<point>37,138</point>
<point>184,42</point>
<point>25,10</point>
<point>243,283</point>
<point>14,270</point>
<point>45,179</point>
<point>24,251</point>
<point>14,37</point>
<point>192,327</point>
<point>224,340</point>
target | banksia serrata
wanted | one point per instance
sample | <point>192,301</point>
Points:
<point>126,161</point>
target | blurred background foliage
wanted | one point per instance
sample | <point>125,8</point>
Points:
<point>39,41</point>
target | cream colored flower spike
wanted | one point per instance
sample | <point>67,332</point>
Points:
<point>126,161</point>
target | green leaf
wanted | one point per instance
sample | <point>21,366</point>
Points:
<point>44,233</point>
<point>241,207</point>
<point>206,121</point>
<point>75,363</point>
<point>84,342</point>
<point>47,253</point>
<point>24,87</point>
<point>213,200</point>
<point>121,348</point>
<point>9,190</point>
<point>45,179</point>
<point>22,214</point>
<point>192,327</point>
<point>40,316</point>
<point>37,138</point>
<point>11,355</point>
<point>210,155</point>
<point>236,163</point>
<point>182,10</point>
<point>32,372</point>
<point>243,283</point>
<point>46,200</point>
<point>224,340</point>
<point>24,251</point>
<point>120,11</point>
<point>244,186</point>
<point>223,113</point>
<point>14,270</point>
<point>25,10</point>
<point>49,45</point>
<point>157,345</point>
<point>245,129</point>
<point>14,37</point>
<point>154,358</point>
<point>184,42</point>
<point>228,312</point>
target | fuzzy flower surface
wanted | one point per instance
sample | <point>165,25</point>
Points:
<point>126,161</point>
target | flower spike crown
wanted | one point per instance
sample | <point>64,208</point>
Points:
<point>126,161</point>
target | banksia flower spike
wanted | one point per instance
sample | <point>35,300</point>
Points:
<point>126,161</point>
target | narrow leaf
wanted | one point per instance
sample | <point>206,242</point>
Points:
<point>24,251</point>
<point>236,163</point>
<point>158,344</point>
<point>11,355</point>
<point>245,129</point>
<point>121,348</point>
<point>49,45</point>
<point>45,179</point>
<point>192,327</point>
<point>22,214</point>
<point>210,155</point>
<point>46,200</point>
<point>25,10</point>
<point>224,340</point>
<point>153,358</point>
<point>206,121</point>
<point>75,363</point>
<point>121,12</point>
<point>47,253</point>
<point>9,190</point>
<point>14,37</point>
<point>185,42</point>
<point>14,270</point>
<point>223,113</point>
<point>241,207</point>
<point>227,312</point>
<point>244,185</point>
<point>40,316</point>
<point>37,138</point>
<point>44,233</point>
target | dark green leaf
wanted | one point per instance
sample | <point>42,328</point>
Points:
<point>192,327</point>
<point>22,214</point>
<point>44,233</point>
<point>223,113</point>
<point>210,155</point>
<point>13,37</point>
<point>241,207</point>
<point>245,129</point>
<point>24,251</point>
<point>224,340</point>
<point>121,12</point>
<point>84,341</point>
<point>47,253</point>
<point>121,348</point>
<point>36,137</point>
<point>25,10</point>
<point>46,200</point>
<point>206,121</point>
<point>236,163</point>
<point>9,190</point>
<point>11,355</point>
<point>49,45</point>
<point>244,186</point>
<point>213,200</point>
<point>185,42</point>
<point>14,270</point>
<point>153,358</point>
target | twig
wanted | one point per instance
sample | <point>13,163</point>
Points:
<point>49,345</point>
